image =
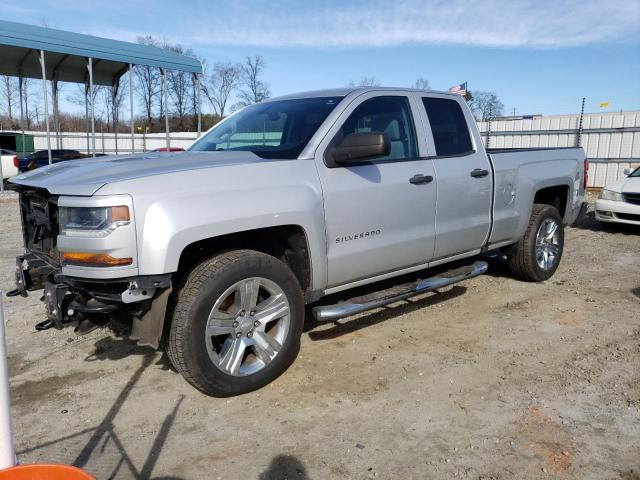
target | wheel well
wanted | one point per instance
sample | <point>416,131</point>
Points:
<point>287,243</point>
<point>555,196</point>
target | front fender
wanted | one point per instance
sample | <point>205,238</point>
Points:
<point>171,224</point>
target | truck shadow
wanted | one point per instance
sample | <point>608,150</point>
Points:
<point>117,348</point>
<point>589,222</point>
<point>103,454</point>
<point>345,326</point>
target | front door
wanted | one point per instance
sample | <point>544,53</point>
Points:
<point>378,219</point>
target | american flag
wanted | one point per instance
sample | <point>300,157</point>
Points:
<point>459,89</point>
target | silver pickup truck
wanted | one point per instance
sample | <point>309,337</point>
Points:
<point>213,253</point>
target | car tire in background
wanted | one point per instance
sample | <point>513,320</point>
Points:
<point>536,256</point>
<point>237,323</point>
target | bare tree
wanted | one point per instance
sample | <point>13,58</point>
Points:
<point>255,89</point>
<point>27,93</point>
<point>56,89</point>
<point>9,88</point>
<point>179,84</point>
<point>149,83</point>
<point>421,84</point>
<point>220,85</point>
<point>485,105</point>
<point>112,100</point>
<point>365,82</point>
<point>83,98</point>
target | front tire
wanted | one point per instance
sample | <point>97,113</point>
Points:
<point>237,323</point>
<point>536,257</point>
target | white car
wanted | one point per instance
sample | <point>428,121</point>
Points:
<point>620,201</point>
<point>8,168</point>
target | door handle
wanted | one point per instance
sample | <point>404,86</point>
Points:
<point>419,179</point>
<point>479,173</point>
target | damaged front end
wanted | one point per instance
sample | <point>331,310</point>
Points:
<point>89,300</point>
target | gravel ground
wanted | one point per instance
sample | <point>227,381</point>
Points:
<point>490,379</point>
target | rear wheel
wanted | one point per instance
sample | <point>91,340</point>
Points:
<point>237,323</point>
<point>536,256</point>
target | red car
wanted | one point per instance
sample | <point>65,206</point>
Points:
<point>171,149</point>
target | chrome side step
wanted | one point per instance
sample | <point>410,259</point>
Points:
<point>340,310</point>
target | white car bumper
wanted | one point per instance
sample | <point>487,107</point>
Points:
<point>8,168</point>
<point>619,212</point>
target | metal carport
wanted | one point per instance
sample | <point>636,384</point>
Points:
<point>56,55</point>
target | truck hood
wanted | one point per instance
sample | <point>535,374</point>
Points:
<point>625,185</point>
<point>86,177</point>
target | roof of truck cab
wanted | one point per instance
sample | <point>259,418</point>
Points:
<point>343,92</point>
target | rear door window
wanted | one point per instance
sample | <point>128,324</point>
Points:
<point>448,126</point>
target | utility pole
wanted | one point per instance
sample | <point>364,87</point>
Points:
<point>488,129</point>
<point>579,136</point>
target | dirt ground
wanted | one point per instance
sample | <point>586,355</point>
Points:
<point>490,379</point>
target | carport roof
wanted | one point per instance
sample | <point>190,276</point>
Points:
<point>66,54</point>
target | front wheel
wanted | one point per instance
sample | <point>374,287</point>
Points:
<point>536,256</point>
<point>237,323</point>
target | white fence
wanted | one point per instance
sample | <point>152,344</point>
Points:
<point>106,142</point>
<point>610,140</point>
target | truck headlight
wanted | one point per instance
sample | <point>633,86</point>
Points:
<point>92,221</point>
<point>611,195</point>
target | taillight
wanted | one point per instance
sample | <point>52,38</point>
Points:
<point>586,173</point>
<point>16,161</point>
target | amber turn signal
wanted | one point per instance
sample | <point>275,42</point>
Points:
<point>94,259</point>
<point>120,214</point>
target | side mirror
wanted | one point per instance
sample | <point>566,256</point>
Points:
<point>357,147</point>
<point>627,171</point>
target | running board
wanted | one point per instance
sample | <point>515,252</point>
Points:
<point>346,309</point>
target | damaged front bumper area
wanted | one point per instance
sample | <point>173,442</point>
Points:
<point>138,302</point>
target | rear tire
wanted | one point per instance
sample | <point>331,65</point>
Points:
<point>536,257</point>
<point>237,323</point>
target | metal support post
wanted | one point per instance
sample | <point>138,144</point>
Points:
<point>165,94</point>
<point>133,137</point>
<point>93,119</point>
<point>199,93</point>
<point>7,449</point>
<point>46,103</point>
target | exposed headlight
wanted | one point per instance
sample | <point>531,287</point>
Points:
<point>610,195</point>
<point>92,221</point>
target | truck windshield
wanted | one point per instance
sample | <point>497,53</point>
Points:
<point>635,173</point>
<point>279,129</point>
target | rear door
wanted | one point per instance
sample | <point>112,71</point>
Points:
<point>463,171</point>
<point>377,219</point>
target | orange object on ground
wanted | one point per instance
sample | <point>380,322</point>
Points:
<point>44,472</point>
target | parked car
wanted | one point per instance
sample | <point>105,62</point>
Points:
<point>279,205</point>
<point>40,158</point>
<point>619,202</point>
<point>8,166</point>
<point>169,149</point>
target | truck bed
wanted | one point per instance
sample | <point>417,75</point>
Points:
<point>517,170</point>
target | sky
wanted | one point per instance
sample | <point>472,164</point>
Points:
<point>539,56</point>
